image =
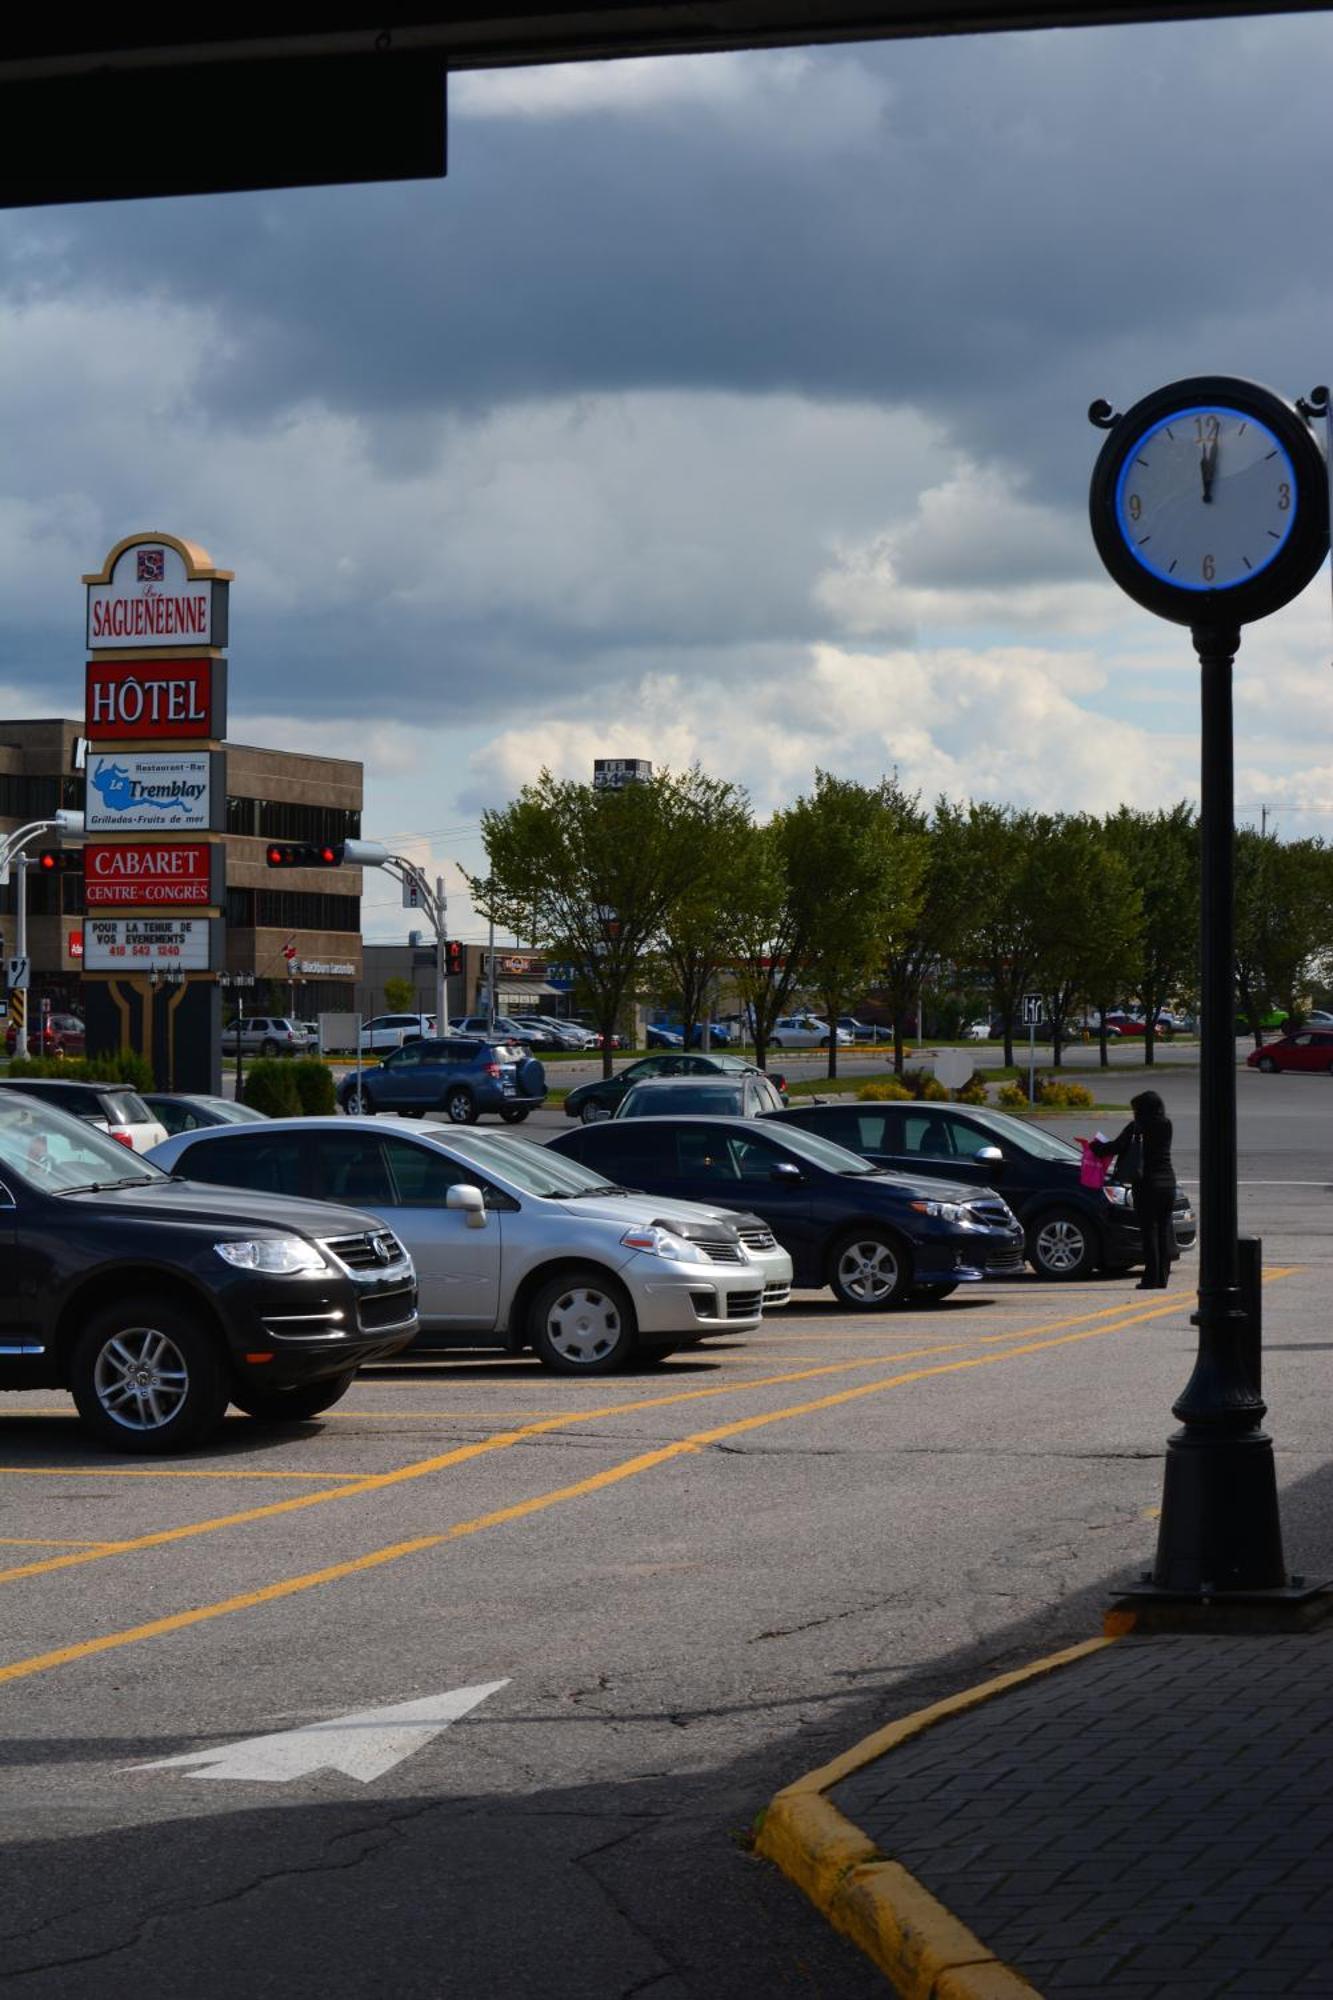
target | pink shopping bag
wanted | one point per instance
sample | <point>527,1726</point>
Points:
<point>1092,1170</point>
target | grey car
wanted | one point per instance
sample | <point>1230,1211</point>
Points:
<point>265,1035</point>
<point>743,1096</point>
<point>514,1246</point>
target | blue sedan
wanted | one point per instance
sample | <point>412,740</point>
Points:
<point>875,1238</point>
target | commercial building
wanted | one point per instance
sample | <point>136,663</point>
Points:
<point>297,935</point>
<point>523,982</point>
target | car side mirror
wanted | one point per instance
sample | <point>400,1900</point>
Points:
<point>990,1156</point>
<point>788,1172</point>
<point>472,1202</point>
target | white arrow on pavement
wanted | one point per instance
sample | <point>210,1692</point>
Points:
<point>362,1746</point>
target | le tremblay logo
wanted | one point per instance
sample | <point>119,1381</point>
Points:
<point>122,792</point>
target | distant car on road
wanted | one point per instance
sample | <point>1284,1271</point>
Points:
<point>265,1035</point>
<point>741,1095</point>
<point>864,1031</point>
<point>461,1076</point>
<point>390,1031</point>
<point>599,1099</point>
<point>58,1035</point>
<point>806,1031</point>
<point>1304,1049</point>
<point>514,1247</point>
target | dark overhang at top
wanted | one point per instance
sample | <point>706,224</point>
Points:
<point>114,104</point>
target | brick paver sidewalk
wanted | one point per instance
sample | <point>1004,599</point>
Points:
<point>1155,1820</point>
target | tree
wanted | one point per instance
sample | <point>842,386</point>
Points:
<point>1161,851</point>
<point>1111,948</point>
<point>993,851</point>
<point>590,875</point>
<point>1086,915</point>
<point>1284,911</point>
<point>761,925</point>
<point>399,995</point>
<point>855,870</point>
<point>694,933</point>
<point>931,933</point>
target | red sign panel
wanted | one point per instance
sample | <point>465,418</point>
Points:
<point>74,944</point>
<point>143,874</point>
<point>176,701</point>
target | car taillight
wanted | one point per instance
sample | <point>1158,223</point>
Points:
<point>494,1069</point>
<point>124,1137</point>
<point>780,1082</point>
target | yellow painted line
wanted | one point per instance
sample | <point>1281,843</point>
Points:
<point>462,1454</point>
<point>52,1542</point>
<point>155,1472</point>
<point>597,1482</point>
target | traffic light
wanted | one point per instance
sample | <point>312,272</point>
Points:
<point>300,854</point>
<point>60,861</point>
<point>453,957</point>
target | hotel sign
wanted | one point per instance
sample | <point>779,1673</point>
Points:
<point>129,701</point>
<point>136,874</point>
<point>155,590</point>
<point>141,944</point>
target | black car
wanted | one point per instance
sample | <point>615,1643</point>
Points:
<point>1071,1230</point>
<point>156,1302</point>
<point>877,1239</point>
<point>591,1101</point>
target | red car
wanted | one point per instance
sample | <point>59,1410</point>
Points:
<point>1304,1048</point>
<point>62,1036</point>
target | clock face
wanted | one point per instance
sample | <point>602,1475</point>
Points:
<point>1206,499</point>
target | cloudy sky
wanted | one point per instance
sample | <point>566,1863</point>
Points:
<point>725,407</point>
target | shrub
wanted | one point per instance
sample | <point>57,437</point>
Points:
<point>972,1092</point>
<point>314,1087</point>
<point>933,1091</point>
<point>270,1087</point>
<point>884,1090</point>
<point>1066,1096</point>
<point>1013,1097</point>
<point>120,1068</point>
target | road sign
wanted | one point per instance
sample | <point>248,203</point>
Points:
<point>17,971</point>
<point>362,1746</point>
<point>954,1068</point>
<point>1034,1010</point>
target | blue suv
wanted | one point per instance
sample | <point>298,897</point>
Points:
<point>461,1077</point>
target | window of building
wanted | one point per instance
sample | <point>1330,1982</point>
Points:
<point>284,819</point>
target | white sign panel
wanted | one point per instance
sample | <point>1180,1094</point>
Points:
<point>17,971</point>
<point>151,600</point>
<point>122,944</point>
<point>161,791</point>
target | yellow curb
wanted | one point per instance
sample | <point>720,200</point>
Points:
<point>924,1951</point>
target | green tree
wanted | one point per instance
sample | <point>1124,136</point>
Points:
<point>1111,945</point>
<point>1086,915</point>
<point>764,944</point>
<point>993,847</point>
<point>855,870</point>
<point>399,995</point>
<point>694,933</point>
<point>929,938</point>
<point>590,875</point>
<point>1284,913</point>
<point>1161,851</point>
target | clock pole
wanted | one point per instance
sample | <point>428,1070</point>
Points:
<point>1220,1530</point>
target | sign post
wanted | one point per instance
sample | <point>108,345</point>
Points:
<point>1034,1013</point>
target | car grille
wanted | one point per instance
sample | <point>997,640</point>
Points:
<point>776,1295</point>
<point>991,1214</point>
<point>1005,1260</point>
<point>755,1236</point>
<point>385,1309</point>
<point>744,1305</point>
<point>377,1250</point>
<point>718,1249</point>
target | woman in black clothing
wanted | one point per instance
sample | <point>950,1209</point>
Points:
<point>1143,1151</point>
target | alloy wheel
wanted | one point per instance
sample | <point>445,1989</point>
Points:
<point>141,1379</point>
<point>1060,1246</point>
<point>868,1271</point>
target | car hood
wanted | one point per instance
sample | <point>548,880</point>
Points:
<point>233,1209</point>
<point>683,1218</point>
<point>923,1187</point>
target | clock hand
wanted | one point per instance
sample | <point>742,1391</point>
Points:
<point>1208,469</point>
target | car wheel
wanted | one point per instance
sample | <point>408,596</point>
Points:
<point>582,1324</point>
<point>1267,1065</point>
<point>868,1271</point>
<point>513,1116</point>
<point>292,1406</point>
<point>145,1376</point>
<point>1062,1245</point>
<point>459,1108</point>
<point>268,1047</point>
<point>358,1102</point>
<point>591,1113</point>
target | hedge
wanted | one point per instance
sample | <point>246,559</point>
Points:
<point>128,1069</point>
<point>314,1087</point>
<point>270,1087</point>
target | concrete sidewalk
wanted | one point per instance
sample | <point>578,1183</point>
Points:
<point>1143,1815</point>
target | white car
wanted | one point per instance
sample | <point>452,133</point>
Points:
<point>805,1031</point>
<point>977,1031</point>
<point>390,1031</point>
<point>112,1107</point>
<point>514,1245</point>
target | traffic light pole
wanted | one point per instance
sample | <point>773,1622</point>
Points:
<point>21,944</point>
<point>67,826</point>
<point>373,854</point>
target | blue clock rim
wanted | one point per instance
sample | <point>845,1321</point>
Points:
<point>1178,416</point>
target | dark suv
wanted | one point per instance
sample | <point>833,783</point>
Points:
<point>156,1302</point>
<point>460,1076</point>
<point>1071,1230</point>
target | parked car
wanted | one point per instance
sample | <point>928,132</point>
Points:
<point>112,1107</point>
<point>265,1035</point>
<point>550,1033</point>
<point>658,1036</point>
<point>514,1247</point>
<point>1318,1018</point>
<point>671,1035</point>
<point>978,1031</point>
<point>1070,1230</point>
<point>177,1112</point>
<point>1305,1048</point>
<point>156,1302</point>
<point>864,1031</point>
<point>1276,1017</point>
<point>58,1035</point>
<point>390,1031</point>
<point>462,1076</point>
<point>591,1101</point>
<point>875,1239</point>
<point>806,1031</point>
<point>746,1095</point>
<point>505,1029</point>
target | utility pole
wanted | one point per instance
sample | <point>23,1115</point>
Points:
<point>21,944</point>
<point>441,969</point>
<point>490,974</point>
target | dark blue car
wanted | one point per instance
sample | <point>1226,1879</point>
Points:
<point>461,1077</point>
<point>876,1239</point>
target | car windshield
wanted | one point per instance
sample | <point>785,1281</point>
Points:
<point>63,1155</point>
<point>650,1100</point>
<point>531,1168</point>
<point>823,1152</point>
<point>1041,1145</point>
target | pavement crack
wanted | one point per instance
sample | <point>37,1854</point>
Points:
<point>828,1618</point>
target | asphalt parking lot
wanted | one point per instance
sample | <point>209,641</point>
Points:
<point>618,1615</point>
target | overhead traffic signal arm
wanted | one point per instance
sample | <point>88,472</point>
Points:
<point>326,854</point>
<point>60,861</point>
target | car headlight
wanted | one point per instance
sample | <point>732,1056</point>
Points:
<point>943,1211</point>
<point>1118,1194</point>
<point>280,1256</point>
<point>658,1242</point>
